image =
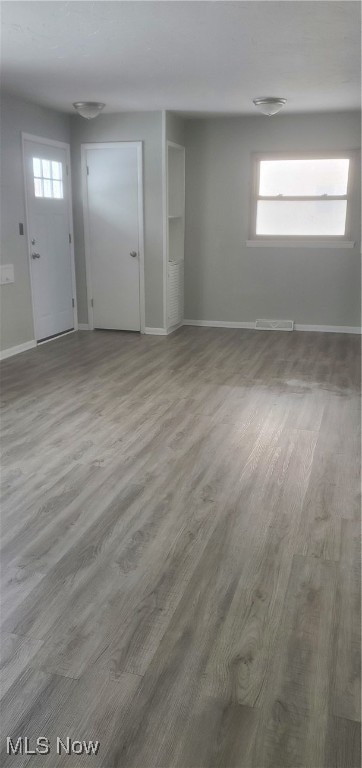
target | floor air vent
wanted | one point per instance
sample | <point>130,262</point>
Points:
<point>274,325</point>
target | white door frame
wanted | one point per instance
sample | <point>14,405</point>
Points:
<point>68,182</point>
<point>114,145</point>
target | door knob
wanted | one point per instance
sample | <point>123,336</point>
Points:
<point>133,254</point>
<point>35,255</point>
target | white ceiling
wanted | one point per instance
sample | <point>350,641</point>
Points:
<point>187,56</point>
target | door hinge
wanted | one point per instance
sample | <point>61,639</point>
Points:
<point>70,237</point>
<point>73,303</point>
<point>87,170</point>
<point>92,303</point>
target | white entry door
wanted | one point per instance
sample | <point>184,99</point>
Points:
<point>113,176</point>
<point>49,238</point>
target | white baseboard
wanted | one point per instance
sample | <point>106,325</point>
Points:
<point>11,351</point>
<point>328,328</point>
<point>163,331</point>
<point>16,350</point>
<point>297,326</point>
<point>219,324</point>
<point>156,331</point>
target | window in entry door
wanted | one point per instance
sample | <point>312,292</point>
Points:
<point>48,178</point>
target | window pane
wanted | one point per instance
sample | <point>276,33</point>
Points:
<point>46,169</point>
<point>56,170</point>
<point>57,189</point>
<point>38,189</point>
<point>36,166</point>
<point>312,217</point>
<point>47,188</point>
<point>303,177</point>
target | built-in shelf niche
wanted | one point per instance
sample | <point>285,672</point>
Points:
<point>175,231</point>
<point>176,244</point>
<point>176,180</point>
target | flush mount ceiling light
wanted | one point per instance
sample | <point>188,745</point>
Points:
<point>269,105</point>
<point>88,109</point>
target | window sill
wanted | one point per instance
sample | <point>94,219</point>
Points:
<point>341,244</point>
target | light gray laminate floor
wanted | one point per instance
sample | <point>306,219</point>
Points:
<point>180,549</point>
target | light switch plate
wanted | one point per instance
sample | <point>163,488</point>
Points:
<point>6,274</point>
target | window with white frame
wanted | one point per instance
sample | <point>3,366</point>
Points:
<point>301,197</point>
<point>48,178</point>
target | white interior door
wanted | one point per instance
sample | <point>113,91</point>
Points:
<point>113,234</point>
<point>49,238</point>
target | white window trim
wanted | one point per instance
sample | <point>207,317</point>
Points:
<point>300,241</point>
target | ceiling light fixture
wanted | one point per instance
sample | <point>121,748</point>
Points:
<point>88,109</point>
<point>269,105</point>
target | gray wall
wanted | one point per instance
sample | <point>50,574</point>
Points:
<point>138,126</point>
<point>225,280</point>
<point>19,116</point>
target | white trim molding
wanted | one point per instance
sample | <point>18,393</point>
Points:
<point>164,216</point>
<point>302,241</point>
<point>162,331</point>
<point>155,331</point>
<point>219,324</point>
<point>297,326</point>
<point>328,328</point>
<point>83,327</point>
<point>341,244</point>
<point>16,350</point>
